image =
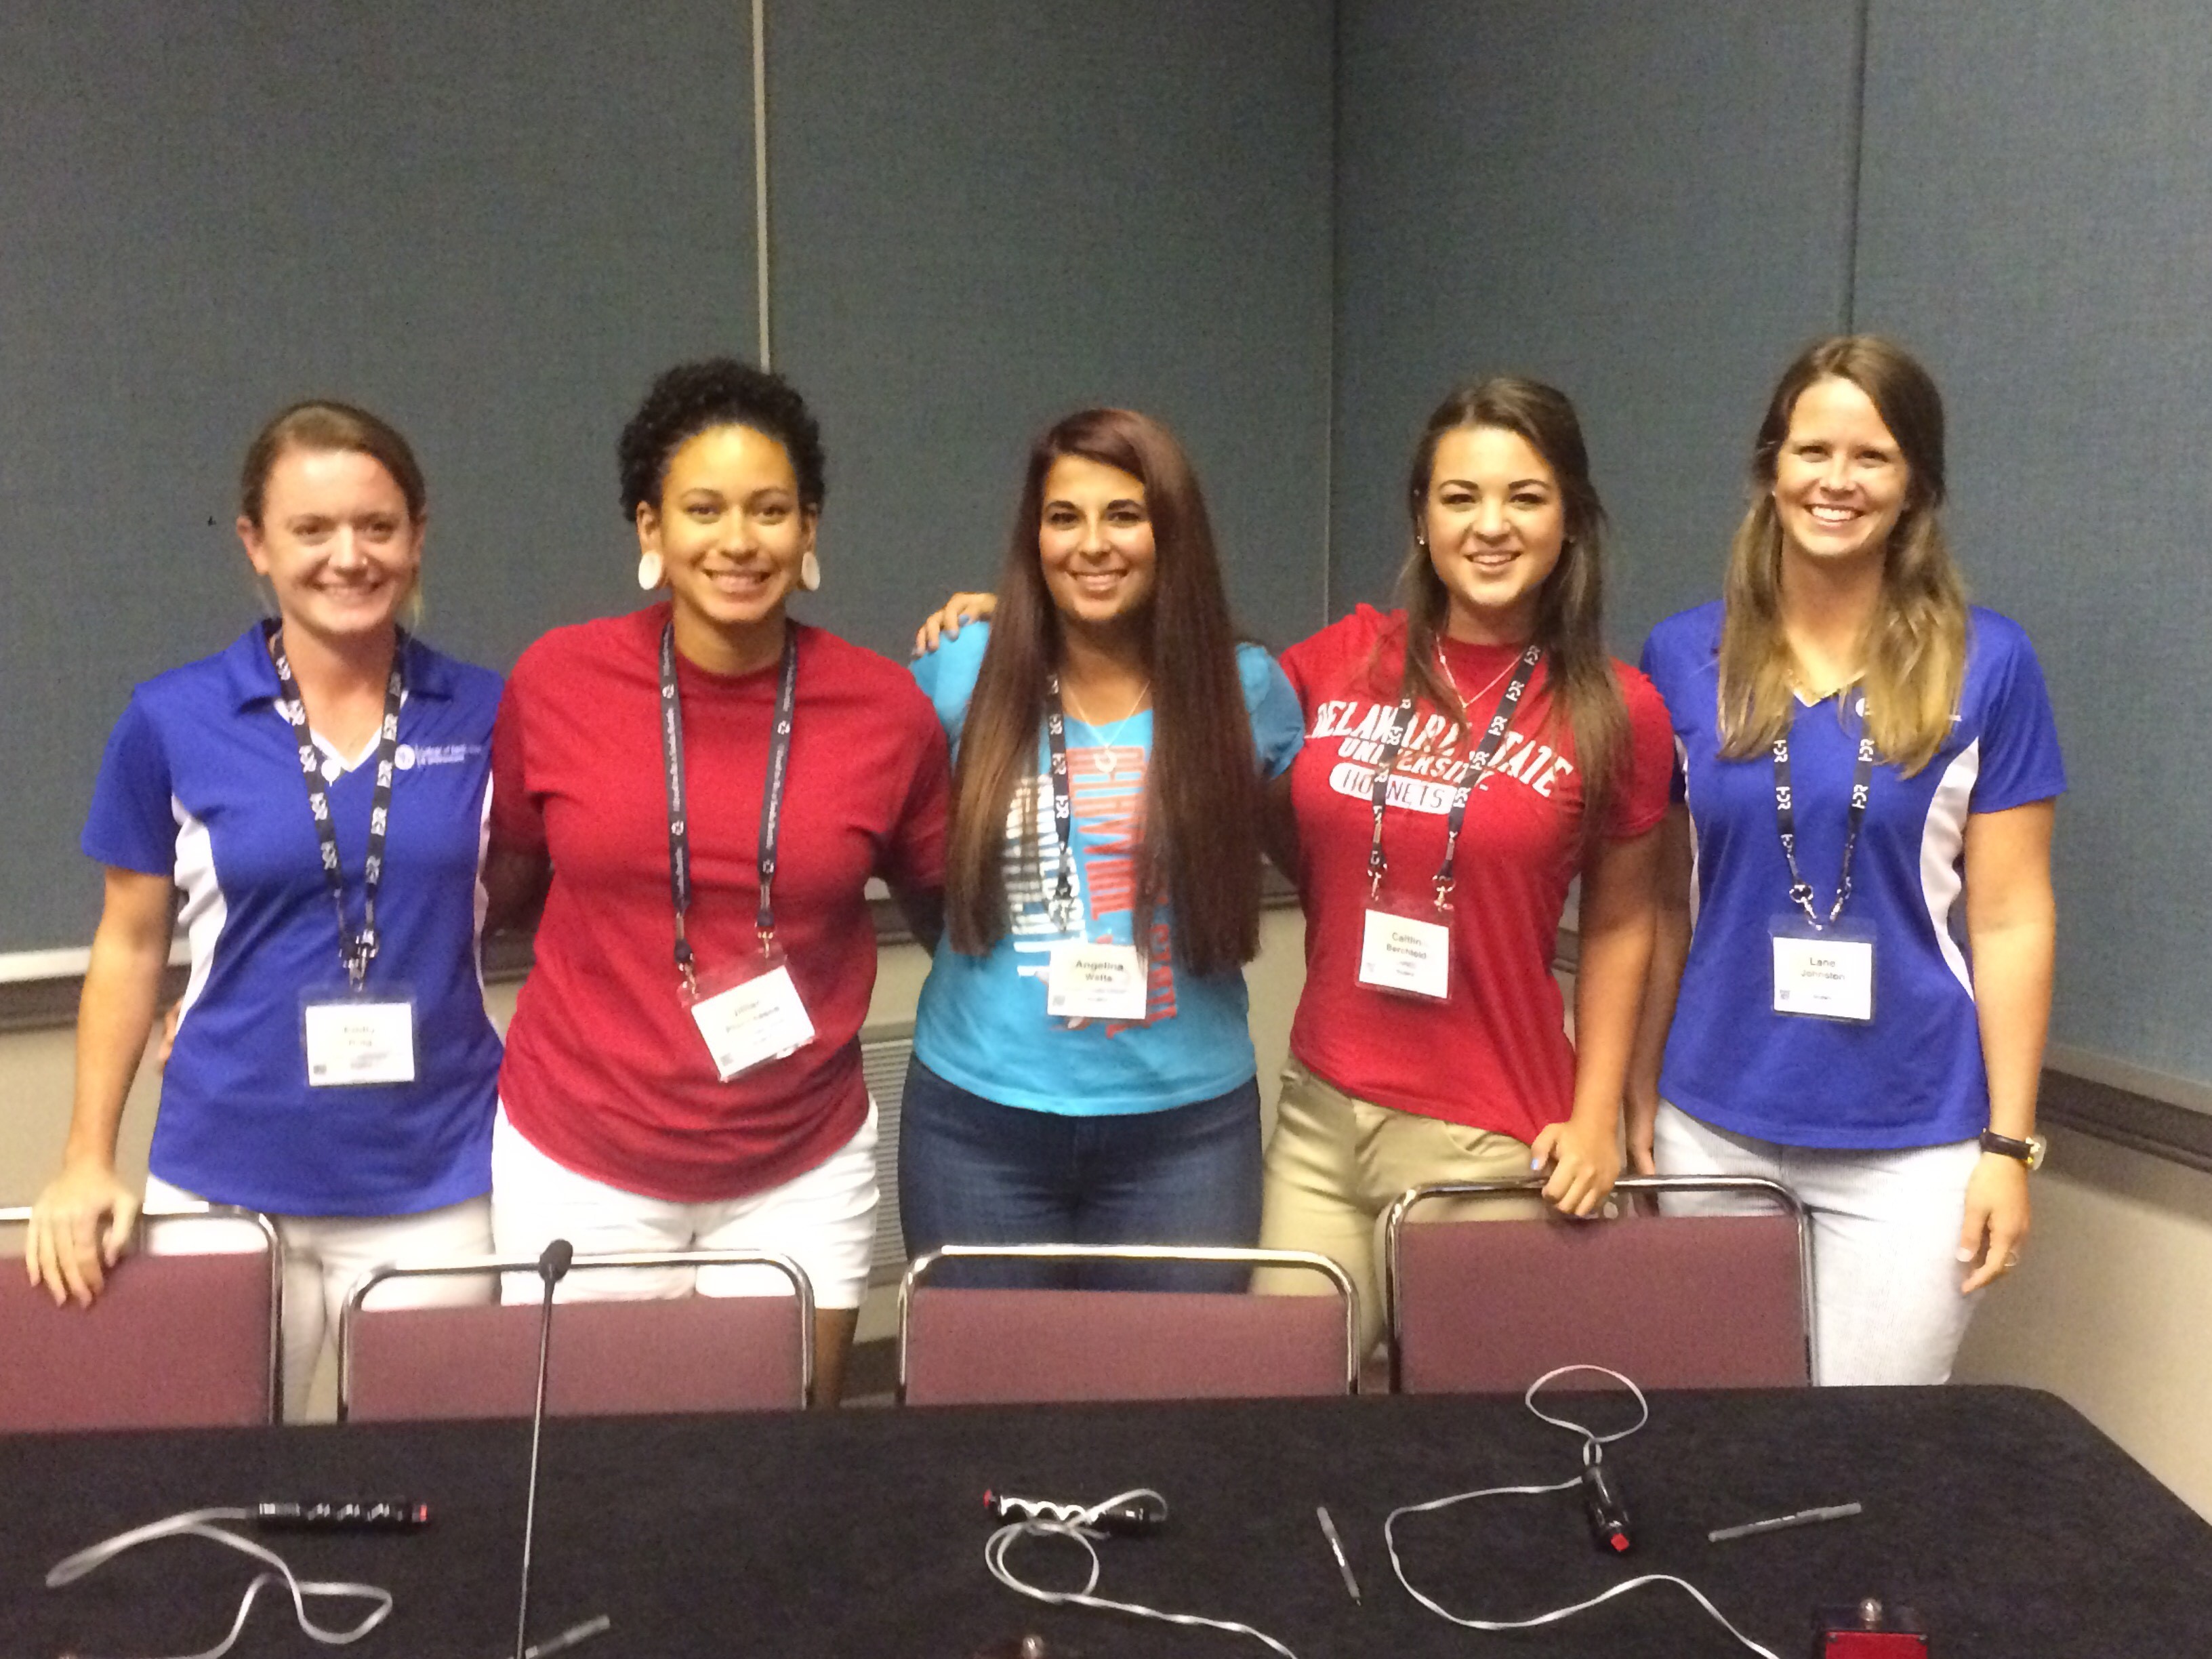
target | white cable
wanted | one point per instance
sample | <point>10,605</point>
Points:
<point>1591,1442</point>
<point>196,1523</point>
<point>1076,1521</point>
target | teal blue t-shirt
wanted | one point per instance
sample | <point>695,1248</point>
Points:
<point>982,1024</point>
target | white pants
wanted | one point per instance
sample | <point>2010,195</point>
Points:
<point>824,1219</point>
<point>1887,1306</point>
<point>325,1256</point>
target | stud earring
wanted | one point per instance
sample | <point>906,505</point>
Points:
<point>649,571</point>
<point>810,572</point>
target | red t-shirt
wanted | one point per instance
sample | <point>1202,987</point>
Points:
<point>605,1071</point>
<point>1496,1056</point>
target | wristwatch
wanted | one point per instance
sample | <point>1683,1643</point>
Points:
<point>2028,1151</point>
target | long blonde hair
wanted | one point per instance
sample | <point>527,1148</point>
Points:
<point>1915,645</point>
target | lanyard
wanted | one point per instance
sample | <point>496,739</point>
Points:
<point>679,834</point>
<point>1401,727</point>
<point>1063,808</point>
<point>1785,819</point>
<point>357,949</point>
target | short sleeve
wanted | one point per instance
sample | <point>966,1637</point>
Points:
<point>947,676</point>
<point>1279,723</point>
<point>1678,780</point>
<point>517,821</point>
<point>131,824</point>
<point>1648,777</point>
<point>913,858</point>
<point>2020,758</point>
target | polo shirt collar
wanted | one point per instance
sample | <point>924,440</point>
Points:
<point>253,676</point>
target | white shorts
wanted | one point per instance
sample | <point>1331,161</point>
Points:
<point>824,1219</point>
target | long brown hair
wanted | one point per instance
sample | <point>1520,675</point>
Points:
<point>1569,605</point>
<point>1199,847</point>
<point>1915,645</point>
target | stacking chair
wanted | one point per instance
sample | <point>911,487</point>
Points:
<point>639,1357</point>
<point>967,1347</point>
<point>173,1341</point>
<point>1676,1301</point>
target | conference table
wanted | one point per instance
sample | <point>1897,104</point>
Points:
<point>2012,1526</point>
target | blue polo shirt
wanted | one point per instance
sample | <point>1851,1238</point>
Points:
<point>981,1023</point>
<point>201,783</point>
<point>1913,1076</point>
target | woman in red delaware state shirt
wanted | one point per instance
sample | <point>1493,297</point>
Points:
<point>710,785</point>
<point>1508,754</point>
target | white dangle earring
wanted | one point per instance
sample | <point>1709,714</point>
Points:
<point>649,571</point>
<point>810,572</point>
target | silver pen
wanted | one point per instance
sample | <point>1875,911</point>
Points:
<point>1336,1549</point>
<point>1802,1518</point>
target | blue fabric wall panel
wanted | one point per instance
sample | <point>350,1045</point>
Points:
<point>1647,206</point>
<point>989,213</point>
<point>491,224</point>
<point>2036,220</point>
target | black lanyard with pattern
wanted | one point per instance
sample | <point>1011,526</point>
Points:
<point>679,835</point>
<point>356,949</point>
<point>1493,735</point>
<point>1785,819</point>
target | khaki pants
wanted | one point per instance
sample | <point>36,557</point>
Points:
<point>1335,1164</point>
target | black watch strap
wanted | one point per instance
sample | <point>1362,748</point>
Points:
<point>2028,1151</point>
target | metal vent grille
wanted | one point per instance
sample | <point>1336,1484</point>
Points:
<point>884,1053</point>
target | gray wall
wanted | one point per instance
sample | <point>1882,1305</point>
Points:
<point>1654,207</point>
<point>492,224</point>
<point>988,215</point>
<point>1647,206</point>
<point>2038,219</point>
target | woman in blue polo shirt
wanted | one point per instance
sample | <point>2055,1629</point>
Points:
<point>1083,1069</point>
<point>314,795</point>
<point>1871,767</point>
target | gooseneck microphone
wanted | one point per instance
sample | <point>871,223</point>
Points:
<point>552,1267</point>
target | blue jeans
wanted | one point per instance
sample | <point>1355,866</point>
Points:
<point>972,1171</point>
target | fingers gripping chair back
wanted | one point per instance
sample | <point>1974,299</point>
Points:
<point>1675,1300</point>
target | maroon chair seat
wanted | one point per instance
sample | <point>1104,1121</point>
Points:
<point>173,1341</point>
<point>644,1357</point>
<point>966,1346</point>
<point>1673,1301</point>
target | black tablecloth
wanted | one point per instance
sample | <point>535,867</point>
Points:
<point>2014,1528</point>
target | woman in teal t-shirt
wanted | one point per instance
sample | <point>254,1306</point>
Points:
<point>1083,1069</point>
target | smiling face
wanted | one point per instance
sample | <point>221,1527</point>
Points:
<point>1095,544</point>
<point>730,532</point>
<point>336,541</point>
<point>1494,521</point>
<point>1840,480</point>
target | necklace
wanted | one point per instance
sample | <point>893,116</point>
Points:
<point>1105,752</point>
<point>1445,663</point>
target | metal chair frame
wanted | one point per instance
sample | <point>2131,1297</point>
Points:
<point>1750,1186</point>
<point>272,1248</point>
<point>922,1265</point>
<point>801,1286</point>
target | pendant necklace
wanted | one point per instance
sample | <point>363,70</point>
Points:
<point>1105,751</point>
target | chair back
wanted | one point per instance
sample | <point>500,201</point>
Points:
<point>172,1342</point>
<point>968,1346</point>
<point>1705,1301</point>
<point>639,1357</point>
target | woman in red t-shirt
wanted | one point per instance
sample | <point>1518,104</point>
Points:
<point>708,785</point>
<point>1429,1043</point>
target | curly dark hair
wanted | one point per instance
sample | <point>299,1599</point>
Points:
<point>693,398</point>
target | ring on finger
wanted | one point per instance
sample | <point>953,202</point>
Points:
<point>2012,1260</point>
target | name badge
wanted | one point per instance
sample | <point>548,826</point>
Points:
<point>1408,955</point>
<point>1096,981</point>
<point>752,1017</point>
<point>1824,972</point>
<point>353,1040</point>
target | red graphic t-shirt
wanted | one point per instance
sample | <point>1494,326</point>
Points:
<point>1496,1056</point>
